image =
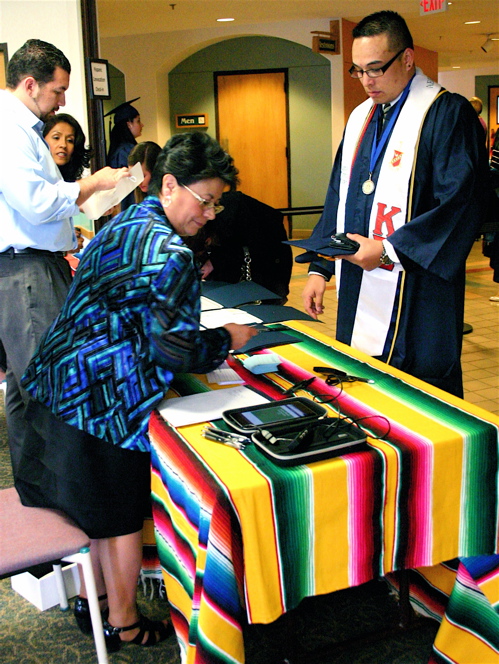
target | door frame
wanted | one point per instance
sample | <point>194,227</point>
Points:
<point>242,72</point>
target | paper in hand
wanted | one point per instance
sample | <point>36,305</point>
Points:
<point>98,203</point>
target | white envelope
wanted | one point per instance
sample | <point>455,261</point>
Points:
<point>98,203</point>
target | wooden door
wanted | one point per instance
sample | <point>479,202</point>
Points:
<point>252,127</point>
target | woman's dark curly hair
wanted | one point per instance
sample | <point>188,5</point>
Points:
<point>81,156</point>
<point>192,157</point>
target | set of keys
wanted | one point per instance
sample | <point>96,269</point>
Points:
<point>234,440</point>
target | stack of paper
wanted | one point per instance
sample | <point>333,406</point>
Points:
<point>219,317</point>
<point>224,375</point>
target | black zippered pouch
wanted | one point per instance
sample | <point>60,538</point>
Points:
<point>322,439</point>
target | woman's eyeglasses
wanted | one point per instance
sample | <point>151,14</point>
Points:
<point>205,205</point>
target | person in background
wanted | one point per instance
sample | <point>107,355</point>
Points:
<point>493,245</point>
<point>66,141</point>
<point>3,363</point>
<point>410,184</point>
<point>477,104</point>
<point>146,153</point>
<point>129,324</point>
<point>231,246</point>
<point>122,139</point>
<point>36,208</point>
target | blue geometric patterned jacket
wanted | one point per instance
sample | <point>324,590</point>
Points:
<point>130,322</point>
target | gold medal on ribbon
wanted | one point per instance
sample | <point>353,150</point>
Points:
<point>368,187</point>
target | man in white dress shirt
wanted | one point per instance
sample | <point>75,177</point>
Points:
<point>36,210</point>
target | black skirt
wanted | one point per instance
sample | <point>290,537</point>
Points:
<point>105,489</point>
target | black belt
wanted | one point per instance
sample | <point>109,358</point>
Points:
<point>12,253</point>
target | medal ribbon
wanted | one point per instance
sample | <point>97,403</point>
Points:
<point>377,146</point>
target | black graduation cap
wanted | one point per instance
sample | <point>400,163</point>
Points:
<point>124,111</point>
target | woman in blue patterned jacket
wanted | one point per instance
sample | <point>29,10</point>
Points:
<point>129,324</point>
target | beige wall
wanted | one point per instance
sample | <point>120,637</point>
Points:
<point>146,60</point>
<point>162,52</point>
<point>55,21</point>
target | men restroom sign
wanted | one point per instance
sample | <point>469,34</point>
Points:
<point>191,120</point>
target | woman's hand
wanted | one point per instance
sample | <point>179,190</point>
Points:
<point>239,334</point>
<point>206,269</point>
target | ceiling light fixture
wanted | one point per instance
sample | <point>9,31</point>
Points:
<point>224,20</point>
<point>471,22</point>
<point>487,45</point>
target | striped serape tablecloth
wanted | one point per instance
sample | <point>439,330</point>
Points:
<point>242,540</point>
<point>463,595</point>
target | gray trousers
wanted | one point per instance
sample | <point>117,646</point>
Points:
<point>33,288</point>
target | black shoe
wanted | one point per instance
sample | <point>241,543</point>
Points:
<point>155,629</point>
<point>82,613</point>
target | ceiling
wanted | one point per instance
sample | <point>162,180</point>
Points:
<point>458,45</point>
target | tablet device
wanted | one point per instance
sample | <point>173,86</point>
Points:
<point>296,411</point>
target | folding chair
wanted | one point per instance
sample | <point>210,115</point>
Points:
<point>33,535</point>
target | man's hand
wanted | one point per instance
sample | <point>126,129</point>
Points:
<point>106,178</point>
<point>367,257</point>
<point>313,295</point>
<point>239,334</point>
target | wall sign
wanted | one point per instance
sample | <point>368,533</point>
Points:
<point>324,44</point>
<point>327,42</point>
<point>191,120</point>
<point>99,79</point>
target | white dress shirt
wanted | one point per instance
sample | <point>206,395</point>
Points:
<point>36,204</point>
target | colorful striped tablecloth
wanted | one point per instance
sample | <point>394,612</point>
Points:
<point>242,540</point>
<point>463,595</point>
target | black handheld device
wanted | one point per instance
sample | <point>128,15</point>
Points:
<point>343,244</point>
<point>294,412</point>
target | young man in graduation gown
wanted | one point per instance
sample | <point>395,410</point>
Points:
<point>410,184</point>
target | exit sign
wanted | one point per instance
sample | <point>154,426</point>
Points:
<point>432,6</point>
<point>191,120</point>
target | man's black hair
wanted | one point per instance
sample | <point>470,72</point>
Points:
<point>38,59</point>
<point>385,22</point>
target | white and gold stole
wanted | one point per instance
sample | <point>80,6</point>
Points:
<point>389,211</point>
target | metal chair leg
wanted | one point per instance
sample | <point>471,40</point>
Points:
<point>83,557</point>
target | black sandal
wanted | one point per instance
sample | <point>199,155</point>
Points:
<point>81,613</point>
<point>157,631</point>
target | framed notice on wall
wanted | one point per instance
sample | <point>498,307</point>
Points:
<point>99,79</point>
<point>3,65</point>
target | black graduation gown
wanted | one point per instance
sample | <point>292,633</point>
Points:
<point>449,205</point>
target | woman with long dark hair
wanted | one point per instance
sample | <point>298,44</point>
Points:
<point>66,141</point>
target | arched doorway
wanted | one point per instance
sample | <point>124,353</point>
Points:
<point>192,90</point>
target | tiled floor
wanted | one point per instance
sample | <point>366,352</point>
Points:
<point>480,358</point>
